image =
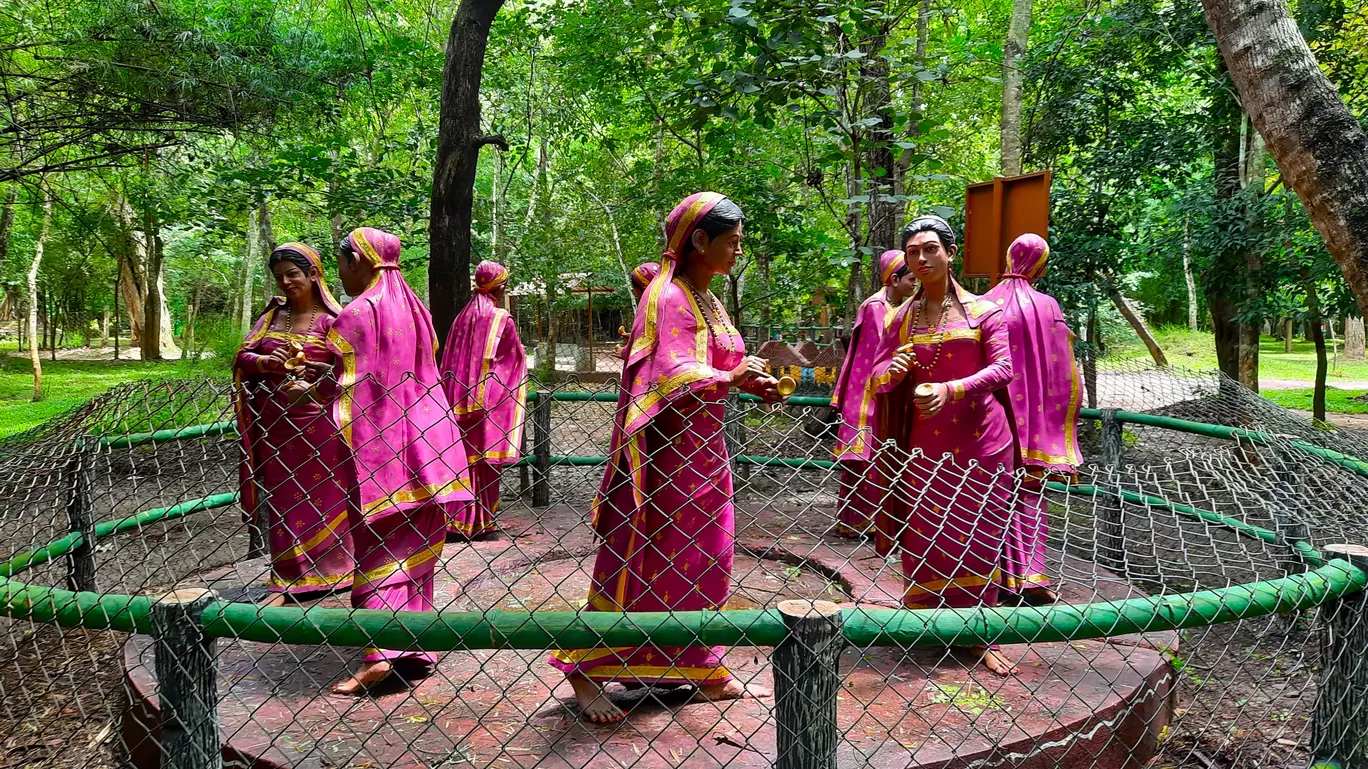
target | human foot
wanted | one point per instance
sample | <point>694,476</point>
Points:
<point>274,599</point>
<point>368,675</point>
<point>732,690</point>
<point>593,702</point>
<point>1040,596</point>
<point>995,661</point>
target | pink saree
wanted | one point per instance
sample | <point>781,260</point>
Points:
<point>287,476</point>
<point>853,397</point>
<point>409,466</point>
<point>664,509</point>
<point>1045,392</point>
<point>952,496</point>
<point>484,374</point>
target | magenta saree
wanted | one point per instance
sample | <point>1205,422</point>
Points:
<point>290,455</point>
<point>409,465</point>
<point>947,517</point>
<point>853,397</point>
<point>484,374</point>
<point>1045,392</point>
<point>664,510</point>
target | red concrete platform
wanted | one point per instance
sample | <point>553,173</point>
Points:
<point>1090,703</point>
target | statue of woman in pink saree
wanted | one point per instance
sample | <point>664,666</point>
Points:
<point>946,367</point>
<point>484,373</point>
<point>408,465</point>
<point>289,487</point>
<point>664,509</point>
<point>1045,393</point>
<point>854,399</point>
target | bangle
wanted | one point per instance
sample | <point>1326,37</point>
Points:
<point>958,387</point>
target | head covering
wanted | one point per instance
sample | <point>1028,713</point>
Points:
<point>489,276</point>
<point>311,256</point>
<point>679,228</point>
<point>642,277</point>
<point>890,264</point>
<point>392,411</point>
<point>1046,390</point>
<point>1026,257</point>
<point>484,370</point>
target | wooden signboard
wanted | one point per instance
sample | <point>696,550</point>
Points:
<point>996,213</point>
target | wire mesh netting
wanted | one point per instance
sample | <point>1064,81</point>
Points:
<point>1164,646</point>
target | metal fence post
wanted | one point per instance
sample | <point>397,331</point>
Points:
<point>541,437</point>
<point>524,474</point>
<point>80,520</point>
<point>806,679</point>
<point>1339,728</point>
<point>187,681</point>
<point>1111,536</point>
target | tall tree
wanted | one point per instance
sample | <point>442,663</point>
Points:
<point>33,293</point>
<point>1013,59</point>
<point>1319,146</point>
<point>459,139</point>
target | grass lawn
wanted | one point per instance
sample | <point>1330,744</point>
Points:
<point>1336,401</point>
<point>1197,350</point>
<point>67,384</point>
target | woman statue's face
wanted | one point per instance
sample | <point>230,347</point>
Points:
<point>930,261</point>
<point>720,253</point>
<point>292,281</point>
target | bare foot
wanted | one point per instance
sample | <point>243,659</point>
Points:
<point>1040,596</point>
<point>995,661</point>
<point>274,599</point>
<point>368,675</point>
<point>732,690</point>
<point>594,705</point>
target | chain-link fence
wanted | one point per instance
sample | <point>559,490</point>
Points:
<point>179,592</point>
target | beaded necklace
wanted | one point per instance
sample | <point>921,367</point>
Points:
<point>289,319</point>
<point>711,315</point>
<point>937,332</point>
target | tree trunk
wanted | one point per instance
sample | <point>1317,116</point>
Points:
<point>1313,322</point>
<point>33,297</point>
<point>1187,274</point>
<point>1287,336</point>
<point>245,316</point>
<point>1222,283</point>
<point>904,163</point>
<point>1013,58</point>
<point>266,243</point>
<point>880,161</point>
<point>6,222</point>
<point>1090,360</point>
<point>191,317</point>
<point>1252,175</point>
<point>1318,145</point>
<point>132,277</point>
<point>458,152</point>
<point>1138,324</point>
<point>104,328</point>
<point>1353,339</point>
<point>152,298</point>
<point>855,286</point>
<point>617,244</point>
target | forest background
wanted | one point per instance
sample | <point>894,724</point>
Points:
<point>153,152</point>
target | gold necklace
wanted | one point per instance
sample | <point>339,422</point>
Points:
<point>937,332</point>
<point>719,331</point>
